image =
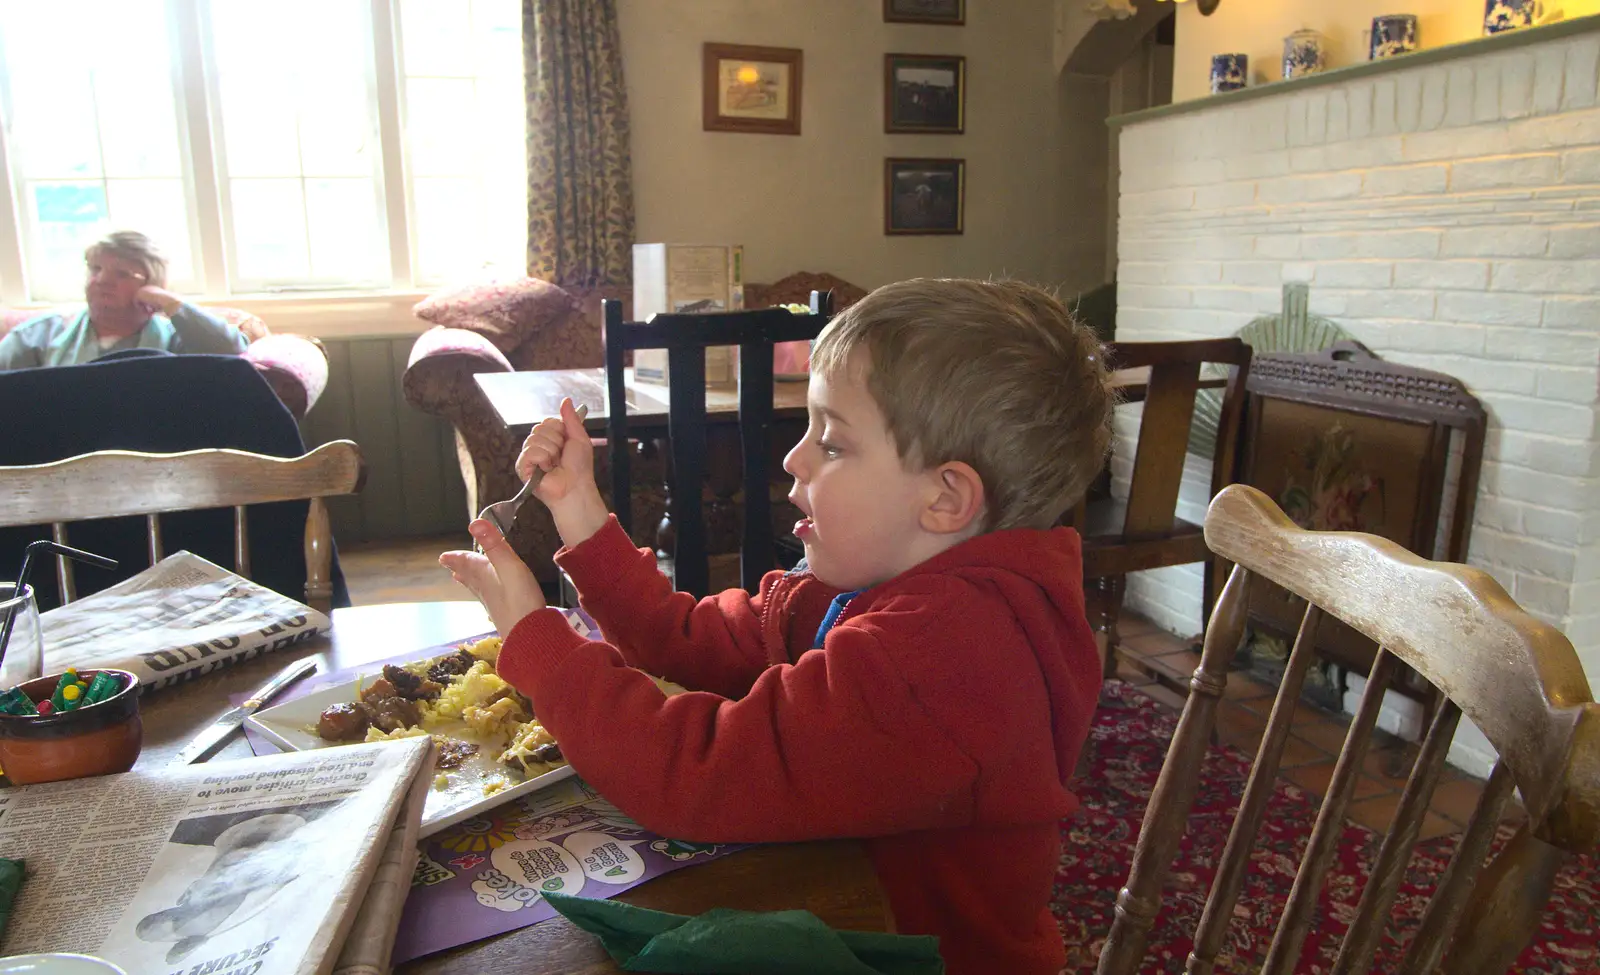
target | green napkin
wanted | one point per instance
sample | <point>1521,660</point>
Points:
<point>11,874</point>
<point>726,942</point>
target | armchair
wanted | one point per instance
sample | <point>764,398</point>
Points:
<point>513,328</point>
<point>295,366</point>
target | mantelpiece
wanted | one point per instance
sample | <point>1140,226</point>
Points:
<point>1506,41</point>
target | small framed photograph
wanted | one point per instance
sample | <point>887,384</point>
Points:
<point>752,89</point>
<point>924,196</point>
<point>953,12</point>
<point>924,93</point>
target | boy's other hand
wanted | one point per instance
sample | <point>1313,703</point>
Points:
<point>560,447</point>
<point>502,582</point>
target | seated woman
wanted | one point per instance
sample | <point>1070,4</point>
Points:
<point>129,308</point>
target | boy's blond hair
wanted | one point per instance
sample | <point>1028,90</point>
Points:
<point>995,374</point>
<point>135,248</point>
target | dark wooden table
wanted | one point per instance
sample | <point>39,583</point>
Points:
<point>522,399</point>
<point>833,880</point>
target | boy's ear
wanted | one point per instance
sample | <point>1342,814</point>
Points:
<point>957,499</point>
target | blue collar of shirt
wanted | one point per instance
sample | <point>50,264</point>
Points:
<point>832,616</point>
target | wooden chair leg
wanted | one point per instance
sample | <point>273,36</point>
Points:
<point>1114,587</point>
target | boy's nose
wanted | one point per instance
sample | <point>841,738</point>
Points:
<point>791,460</point>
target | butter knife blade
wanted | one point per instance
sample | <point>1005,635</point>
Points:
<point>212,737</point>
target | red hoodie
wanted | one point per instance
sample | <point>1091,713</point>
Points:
<point>940,721</point>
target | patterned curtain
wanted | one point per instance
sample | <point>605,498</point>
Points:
<point>580,174</point>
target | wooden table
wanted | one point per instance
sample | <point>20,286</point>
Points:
<point>834,880</point>
<point>522,399</point>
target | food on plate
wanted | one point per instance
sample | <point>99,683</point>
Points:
<point>459,700</point>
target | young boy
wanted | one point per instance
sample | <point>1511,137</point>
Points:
<point>923,681</point>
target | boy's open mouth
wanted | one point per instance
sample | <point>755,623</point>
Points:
<point>803,529</point>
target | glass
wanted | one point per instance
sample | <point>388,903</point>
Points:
<point>25,651</point>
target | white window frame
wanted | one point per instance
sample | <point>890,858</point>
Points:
<point>199,131</point>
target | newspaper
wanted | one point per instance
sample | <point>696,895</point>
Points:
<point>284,865</point>
<point>178,619</point>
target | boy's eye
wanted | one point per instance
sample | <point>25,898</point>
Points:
<point>827,448</point>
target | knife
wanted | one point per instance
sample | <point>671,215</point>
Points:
<point>212,738</point>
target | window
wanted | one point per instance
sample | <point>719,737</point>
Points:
<point>93,137</point>
<point>464,136</point>
<point>380,149</point>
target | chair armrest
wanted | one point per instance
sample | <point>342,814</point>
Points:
<point>438,376</point>
<point>296,367</point>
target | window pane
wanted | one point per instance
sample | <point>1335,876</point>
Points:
<point>269,227</point>
<point>64,219</point>
<point>435,109</point>
<point>301,139</point>
<point>464,121</point>
<point>446,212</point>
<point>157,208</point>
<point>437,37</point>
<point>345,233</point>
<point>87,121</point>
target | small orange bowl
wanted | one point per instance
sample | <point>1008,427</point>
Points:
<point>95,739</point>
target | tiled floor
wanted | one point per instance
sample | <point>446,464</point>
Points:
<point>1154,661</point>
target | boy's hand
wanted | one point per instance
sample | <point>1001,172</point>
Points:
<point>560,447</point>
<point>500,580</point>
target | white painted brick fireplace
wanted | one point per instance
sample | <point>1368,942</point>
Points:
<point>1446,213</point>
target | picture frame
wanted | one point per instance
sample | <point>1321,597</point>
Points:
<point>950,12</point>
<point>925,93</point>
<point>751,89</point>
<point>924,196</point>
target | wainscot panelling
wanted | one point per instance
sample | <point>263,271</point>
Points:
<point>413,479</point>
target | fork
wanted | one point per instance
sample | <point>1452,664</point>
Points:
<point>504,513</point>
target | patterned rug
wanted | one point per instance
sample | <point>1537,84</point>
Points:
<point>1130,741</point>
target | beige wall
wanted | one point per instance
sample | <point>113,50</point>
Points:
<point>1257,28</point>
<point>815,201</point>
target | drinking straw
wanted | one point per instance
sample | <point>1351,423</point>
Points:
<point>34,548</point>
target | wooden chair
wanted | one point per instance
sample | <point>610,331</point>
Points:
<point>116,483</point>
<point>1143,531</point>
<point>1519,681</point>
<point>686,337</point>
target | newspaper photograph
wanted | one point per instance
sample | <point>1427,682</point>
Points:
<point>178,619</point>
<point>260,865</point>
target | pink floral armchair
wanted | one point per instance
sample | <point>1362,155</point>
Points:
<point>295,366</point>
<point>512,327</point>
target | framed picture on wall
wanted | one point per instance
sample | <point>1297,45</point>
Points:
<point>751,89</point>
<point>924,196</point>
<point>952,12</point>
<point>924,93</point>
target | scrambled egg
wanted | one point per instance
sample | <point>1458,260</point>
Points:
<point>476,688</point>
<point>487,648</point>
<point>373,734</point>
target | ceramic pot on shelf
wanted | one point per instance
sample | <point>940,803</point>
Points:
<point>1229,72</point>
<point>1304,52</point>
<point>1504,15</point>
<point>1392,35</point>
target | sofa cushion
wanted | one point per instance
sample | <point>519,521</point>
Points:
<point>506,312</point>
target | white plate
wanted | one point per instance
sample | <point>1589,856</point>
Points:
<point>292,727</point>
<point>56,964</point>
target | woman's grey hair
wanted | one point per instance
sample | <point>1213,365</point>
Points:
<point>132,246</point>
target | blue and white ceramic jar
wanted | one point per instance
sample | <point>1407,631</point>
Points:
<point>1392,36</point>
<point>1499,15</point>
<point>1229,72</point>
<point>1304,52</point>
